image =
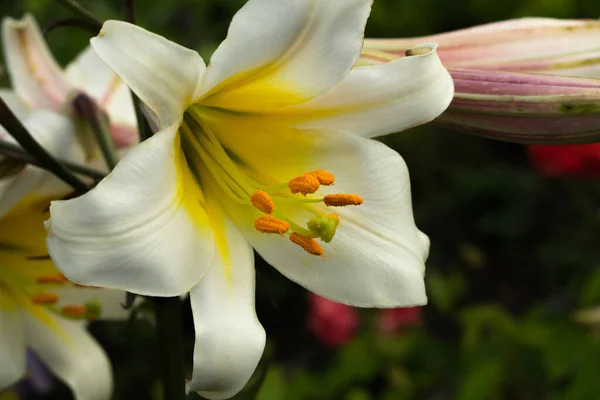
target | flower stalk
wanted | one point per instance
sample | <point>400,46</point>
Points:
<point>84,14</point>
<point>144,130</point>
<point>26,140</point>
<point>14,152</point>
<point>169,331</point>
<point>86,108</point>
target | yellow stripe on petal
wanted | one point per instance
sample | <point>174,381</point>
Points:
<point>254,91</point>
<point>190,193</point>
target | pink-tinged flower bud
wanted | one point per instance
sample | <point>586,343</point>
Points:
<point>394,320</point>
<point>334,324</point>
<point>518,80</point>
<point>525,108</point>
<point>546,45</point>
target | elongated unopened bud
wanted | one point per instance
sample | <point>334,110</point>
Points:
<point>545,45</point>
<point>524,108</point>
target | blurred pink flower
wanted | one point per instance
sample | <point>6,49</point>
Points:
<point>334,324</point>
<point>394,320</point>
<point>578,160</point>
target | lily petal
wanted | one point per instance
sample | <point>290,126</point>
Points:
<point>12,344</point>
<point>143,228</point>
<point>229,338</point>
<point>380,99</point>
<point>162,73</point>
<point>56,134</point>
<point>284,52</point>
<point>72,354</point>
<point>35,75</point>
<point>376,258</point>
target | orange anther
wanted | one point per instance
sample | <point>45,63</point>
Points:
<point>271,225</point>
<point>305,184</point>
<point>55,278</point>
<point>45,298</point>
<point>308,244</point>
<point>325,178</point>
<point>341,200</point>
<point>73,311</point>
<point>262,201</point>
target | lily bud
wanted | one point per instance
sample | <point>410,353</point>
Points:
<point>544,45</point>
<point>525,108</point>
<point>519,80</point>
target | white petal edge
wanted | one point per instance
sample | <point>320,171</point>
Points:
<point>229,338</point>
<point>135,230</point>
<point>308,45</point>
<point>71,353</point>
<point>377,257</point>
<point>35,75</point>
<point>380,99</point>
<point>162,73</point>
<point>12,343</point>
<point>56,134</point>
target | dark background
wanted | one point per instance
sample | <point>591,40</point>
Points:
<point>514,254</point>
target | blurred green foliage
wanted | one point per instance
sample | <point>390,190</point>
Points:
<point>513,255</point>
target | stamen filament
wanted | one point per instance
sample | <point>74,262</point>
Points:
<point>297,228</point>
<point>220,178</point>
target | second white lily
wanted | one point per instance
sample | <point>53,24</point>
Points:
<point>246,154</point>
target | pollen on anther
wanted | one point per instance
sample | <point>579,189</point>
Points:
<point>45,298</point>
<point>324,177</point>
<point>305,184</point>
<point>341,200</point>
<point>269,224</point>
<point>310,245</point>
<point>55,278</point>
<point>262,201</point>
<point>73,311</point>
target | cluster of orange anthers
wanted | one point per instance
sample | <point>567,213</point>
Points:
<point>89,311</point>
<point>323,226</point>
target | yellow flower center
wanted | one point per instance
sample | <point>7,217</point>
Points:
<point>205,153</point>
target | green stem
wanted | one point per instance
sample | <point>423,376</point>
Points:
<point>30,145</point>
<point>14,152</point>
<point>169,331</point>
<point>86,107</point>
<point>82,13</point>
<point>144,129</point>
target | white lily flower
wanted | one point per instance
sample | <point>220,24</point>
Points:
<point>39,308</point>
<point>278,113</point>
<point>40,82</point>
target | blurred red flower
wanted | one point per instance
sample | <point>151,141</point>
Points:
<point>394,320</point>
<point>558,160</point>
<point>332,323</point>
